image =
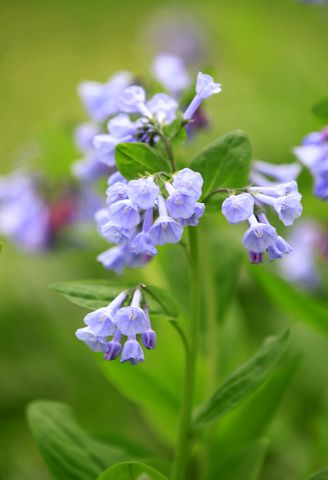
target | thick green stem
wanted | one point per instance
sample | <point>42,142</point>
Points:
<point>184,436</point>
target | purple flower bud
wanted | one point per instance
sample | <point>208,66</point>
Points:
<point>124,213</point>
<point>170,70</point>
<point>259,236</point>
<point>148,339</point>
<point>238,208</point>
<point>132,352</point>
<point>189,183</point>
<point>131,320</point>
<point>255,258</point>
<point>117,192</point>
<point>95,343</point>
<point>143,192</point>
<point>113,347</point>
<point>205,87</point>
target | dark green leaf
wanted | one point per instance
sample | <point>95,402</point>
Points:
<point>93,294</point>
<point>245,465</point>
<point>298,304</point>
<point>244,381</point>
<point>131,471</point>
<point>70,453</point>
<point>322,475</point>
<point>225,162</point>
<point>320,109</point>
<point>135,160</point>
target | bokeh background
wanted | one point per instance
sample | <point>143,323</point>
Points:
<point>271,58</point>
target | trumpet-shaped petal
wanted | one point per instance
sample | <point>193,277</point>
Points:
<point>95,343</point>
<point>238,208</point>
<point>289,208</point>
<point>132,352</point>
<point>143,192</point>
<point>189,183</point>
<point>124,213</point>
<point>165,230</point>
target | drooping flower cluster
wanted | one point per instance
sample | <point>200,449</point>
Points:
<point>145,213</point>
<point>313,153</point>
<point>130,116</point>
<point>249,206</point>
<point>109,327</point>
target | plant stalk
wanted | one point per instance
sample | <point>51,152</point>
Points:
<point>184,434</point>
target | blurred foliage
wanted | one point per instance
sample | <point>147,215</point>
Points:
<point>271,59</point>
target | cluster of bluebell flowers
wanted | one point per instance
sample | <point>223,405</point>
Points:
<point>116,329</point>
<point>313,153</point>
<point>249,206</point>
<point>144,213</point>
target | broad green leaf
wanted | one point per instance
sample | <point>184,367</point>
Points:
<point>225,162</point>
<point>131,471</point>
<point>298,304</point>
<point>135,160</point>
<point>94,294</point>
<point>251,420</point>
<point>245,464</point>
<point>69,452</point>
<point>320,109</point>
<point>322,475</point>
<point>244,381</point>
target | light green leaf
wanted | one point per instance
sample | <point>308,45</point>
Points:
<point>245,464</point>
<point>225,162</point>
<point>299,305</point>
<point>320,109</point>
<point>93,294</point>
<point>69,452</point>
<point>322,475</point>
<point>135,160</point>
<point>244,381</point>
<point>131,471</point>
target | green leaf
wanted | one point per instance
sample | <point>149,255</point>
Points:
<point>176,131</point>
<point>320,109</point>
<point>131,471</point>
<point>296,303</point>
<point>70,453</point>
<point>244,381</point>
<point>245,464</point>
<point>93,294</point>
<point>322,475</point>
<point>250,421</point>
<point>135,160</point>
<point>225,162</point>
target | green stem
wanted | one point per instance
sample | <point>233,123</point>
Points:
<point>184,435</point>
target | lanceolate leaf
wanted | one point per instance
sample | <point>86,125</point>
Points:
<point>244,381</point>
<point>299,305</point>
<point>93,294</point>
<point>320,109</point>
<point>131,471</point>
<point>225,163</point>
<point>138,159</point>
<point>322,475</point>
<point>245,465</point>
<point>70,453</point>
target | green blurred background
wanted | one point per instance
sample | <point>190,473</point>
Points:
<point>271,58</point>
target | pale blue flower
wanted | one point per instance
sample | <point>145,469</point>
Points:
<point>133,100</point>
<point>143,192</point>
<point>193,221</point>
<point>179,205</point>
<point>105,145</point>
<point>116,177</point>
<point>117,192</point>
<point>84,135</point>
<point>288,207</point>
<point>259,236</point>
<point>165,229</point>
<point>275,190</point>
<point>95,343</point>
<point>279,248</point>
<point>124,213</point>
<point>143,244</point>
<point>171,72</point>
<point>115,233</point>
<point>132,352</point>
<point>205,87</point>
<point>113,348</point>
<point>101,100</point>
<point>238,208</point>
<point>189,183</point>
<point>279,172</point>
<point>113,259</point>
<point>163,107</point>
<point>122,126</point>
<point>131,320</point>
